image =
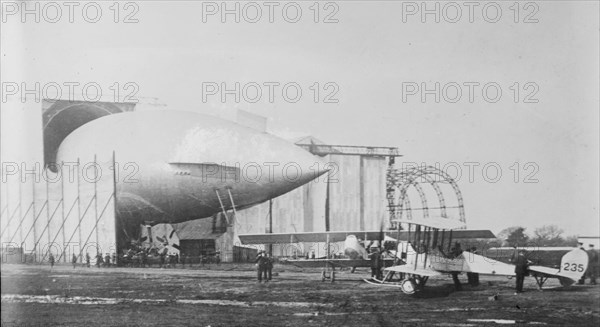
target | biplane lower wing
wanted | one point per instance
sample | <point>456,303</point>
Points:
<point>410,269</point>
<point>476,263</point>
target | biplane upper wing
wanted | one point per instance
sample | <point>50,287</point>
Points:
<point>282,238</point>
<point>436,222</point>
<point>339,263</point>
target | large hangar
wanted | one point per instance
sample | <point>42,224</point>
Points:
<point>66,216</point>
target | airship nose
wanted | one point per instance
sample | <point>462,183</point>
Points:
<point>293,167</point>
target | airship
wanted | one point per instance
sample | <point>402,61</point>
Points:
<point>176,166</point>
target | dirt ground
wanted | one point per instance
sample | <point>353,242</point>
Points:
<point>229,295</point>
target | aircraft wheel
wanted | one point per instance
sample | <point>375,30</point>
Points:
<point>408,286</point>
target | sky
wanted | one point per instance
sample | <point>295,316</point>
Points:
<point>370,62</point>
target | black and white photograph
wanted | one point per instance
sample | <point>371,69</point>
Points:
<point>299,163</point>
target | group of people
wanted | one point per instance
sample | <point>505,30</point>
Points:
<point>264,266</point>
<point>74,259</point>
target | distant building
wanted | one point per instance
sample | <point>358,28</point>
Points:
<point>587,240</point>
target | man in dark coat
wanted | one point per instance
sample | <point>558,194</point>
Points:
<point>99,260</point>
<point>261,265</point>
<point>521,265</point>
<point>376,263</point>
<point>268,273</point>
<point>51,259</point>
<point>473,277</point>
<point>455,252</point>
<point>581,280</point>
<point>74,260</point>
<point>592,270</point>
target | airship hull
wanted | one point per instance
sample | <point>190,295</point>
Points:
<point>176,166</point>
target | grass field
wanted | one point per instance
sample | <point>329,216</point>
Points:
<point>228,295</point>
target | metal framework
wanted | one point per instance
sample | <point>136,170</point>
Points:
<point>399,182</point>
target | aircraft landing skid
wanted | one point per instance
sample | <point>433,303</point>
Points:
<point>407,286</point>
<point>541,279</point>
<point>328,275</point>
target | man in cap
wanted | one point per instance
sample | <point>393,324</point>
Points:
<point>51,260</point>
<point>521,265</point>
<point>261,265</point>
<point>592,270</point>
<point>581,281</point>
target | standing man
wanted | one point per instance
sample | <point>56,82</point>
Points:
<point>268,268</point>
<point>376,263</point>
<point>455,252</point>
<point>581,281</point>
<point>99,261</point>
<point>592,270</point>
<point>521,264</point>
<point>261,263</point>
<point>51,259</point>
<point>473,277</point>
<point>87,259</point>
<point>107,260</point>
<point>74,260</point>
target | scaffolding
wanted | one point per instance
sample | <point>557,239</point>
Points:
<point>64,214</point>
<point>422,180</point>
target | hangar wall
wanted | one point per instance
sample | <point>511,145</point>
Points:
<point>357,201</point>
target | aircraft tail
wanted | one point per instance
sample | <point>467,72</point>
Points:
<point>573,264</point>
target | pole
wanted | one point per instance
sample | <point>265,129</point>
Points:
<point>78,207</point>
<point>62,205</point>
<point>47,207</point>
<point>115,198</point>
<point>327,206</point>
<point>33,216</point>
<point>95,211</point>
<point>21,212</point>
<point>270,225</point>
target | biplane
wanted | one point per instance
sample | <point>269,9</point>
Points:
<point>355,252</point>
<point>429,252</point>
